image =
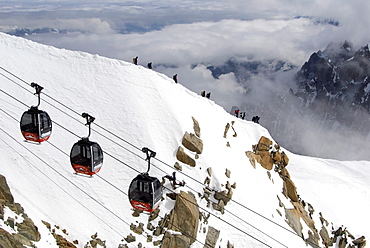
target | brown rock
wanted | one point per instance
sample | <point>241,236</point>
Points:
<point>211,238</point>
<point>184,219</point>
<point>5,193</point>
<point>264,144</point>
<point>292,216</point>
<point>290,190</point>
<point>196,127</point>
<point>226,129</point>
<point>266,161</point>
<point>192,142</point>
<point>28,229</point>
<point>183,157</point>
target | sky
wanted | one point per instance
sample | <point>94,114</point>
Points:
<point>145,108</point>
<point>186,37</point>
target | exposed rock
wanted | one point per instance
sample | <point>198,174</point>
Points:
<point>264,144</point>
<point>226,129</point>
<point>326,240</point>
<point>306,218</point>
<point>130,238</point>
<point>276,156</point>
<point>292,216</point>
<point>285,159</point>
<point>342,242</point>
<point>209,171</point>
<point>154,214</point>
<point>223,195</point>
<point>5,193</point>
<point>196,127</point>
<point>136,212</point>
<point>220,206</point>
<point>150,226</point>
<point>227,173</point>
<point>28,229</point>
<point>290,190</point>
<point>229,245</point>
<point>183,157</point>
<point>47,224</point>
<point>184,219</point>
<point>10,222</point>
<point>62,242</point>
<point>253,158</point>
<point>211,238</point>
<point>266,160</point>
<point>269,174</point>
<point>284,174</point>
<point>137,229</point>
<point>192,142</point>
<point>235,134</point>
<point>21,239</point>
<point>312,239</point>
<point>178,166</point>
<point>8,240</point>
<point>360,242</point>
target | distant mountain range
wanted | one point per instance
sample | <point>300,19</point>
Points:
<point>21,32</point>
<point>327,102</point>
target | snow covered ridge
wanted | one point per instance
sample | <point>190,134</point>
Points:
<point>147,109</point>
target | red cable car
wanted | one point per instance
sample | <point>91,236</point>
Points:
<point>145,192</point>
<point>36,124</point>
<point>86,156</point>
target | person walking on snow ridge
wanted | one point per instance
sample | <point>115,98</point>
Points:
<point>135,60</point>
<point>175,78</point>
<point>237,113</point>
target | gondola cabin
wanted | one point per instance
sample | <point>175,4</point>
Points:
<point>36,125</point>
<point>145,192</point>
<point>86,157</point>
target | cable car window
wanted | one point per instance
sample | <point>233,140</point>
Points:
<point>86,153</point>
<point>45,121</point>
<point>75,151</point>
<point>144,187</point>
<point>157,185</point>
<point>97,154</point>
<point>26,119</point>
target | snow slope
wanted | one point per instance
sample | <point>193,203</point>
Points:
<point>136,107</point>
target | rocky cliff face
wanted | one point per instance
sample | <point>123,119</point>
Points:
<point>336,79</point>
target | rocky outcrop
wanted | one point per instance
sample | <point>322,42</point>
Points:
<point>183,222</point>
<point>211,238</point>
<point>25,231</point>
<point>192,142</point>
<point>196,127</point>
<point>269,157</point>
<point>264,155</point>
<point>184,158</point>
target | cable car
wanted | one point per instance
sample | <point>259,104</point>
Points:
<point>36,124</point>
<point>86,156</point>
<point>145,192</point>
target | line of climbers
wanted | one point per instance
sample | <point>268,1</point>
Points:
<point>237,112</point>
<point>203,94</point>
<point>241,115</point>
<point>150,66</point>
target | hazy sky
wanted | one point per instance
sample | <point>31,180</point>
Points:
<point>186,36</point>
